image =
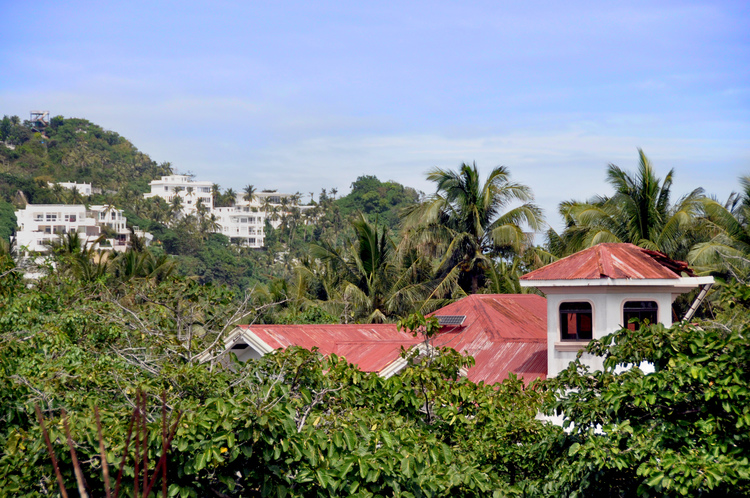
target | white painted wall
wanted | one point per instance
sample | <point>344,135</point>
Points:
<point>607,309</point>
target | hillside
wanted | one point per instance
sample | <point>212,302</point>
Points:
<point>76,150</point>
<point>70,149</point>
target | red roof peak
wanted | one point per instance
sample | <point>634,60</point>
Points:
<point>612,260</point>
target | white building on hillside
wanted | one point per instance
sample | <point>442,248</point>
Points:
<point>183,186</point>
<point>41,224</point>
<point>242,222</point>
<point>82,188</point>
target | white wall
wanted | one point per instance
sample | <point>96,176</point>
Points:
<point>607,309</point>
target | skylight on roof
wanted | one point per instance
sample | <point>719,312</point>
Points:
<point>450,319</point>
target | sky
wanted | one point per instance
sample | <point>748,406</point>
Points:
<point>301,96</point>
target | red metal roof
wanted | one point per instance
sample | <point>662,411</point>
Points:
<point>612,261</point>
<point>504,333</point>
<point>369,346</point>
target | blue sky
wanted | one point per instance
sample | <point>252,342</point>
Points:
<point>310,95</point>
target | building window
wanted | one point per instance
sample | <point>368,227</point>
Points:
<point>576,321</point>
<point>639,312</point>
<point>70,217</point>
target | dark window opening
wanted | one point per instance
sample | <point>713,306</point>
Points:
<point>641,311</point>
<point>576,321</point>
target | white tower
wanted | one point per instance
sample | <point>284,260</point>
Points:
<point>597,291</point>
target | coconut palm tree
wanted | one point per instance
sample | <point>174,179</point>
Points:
<point>216,194</point>
<point>464,223</point>
<point>639,212</point>
<point>364,280</point>
<point>249,194</point>
<point>728,225</point>
<point>175,207</point>
<point>230,197</point>
<point>58,193</point>
<point>75,197</point>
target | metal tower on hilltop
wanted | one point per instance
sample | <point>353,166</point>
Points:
<point>39,121</point>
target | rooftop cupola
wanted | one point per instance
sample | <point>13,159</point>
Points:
<point>599,290</point>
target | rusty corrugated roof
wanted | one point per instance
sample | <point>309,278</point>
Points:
<point>616,261</point>
<point>369,346</point>
<point>503,332</point>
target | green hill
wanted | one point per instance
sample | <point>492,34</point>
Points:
<point>69,150</point>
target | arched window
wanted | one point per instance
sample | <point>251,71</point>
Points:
<point>641,311</point>
<point>576,321</point>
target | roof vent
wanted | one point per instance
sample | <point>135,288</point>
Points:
<point>450,319</point>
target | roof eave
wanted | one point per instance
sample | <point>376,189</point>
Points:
<point>250,338</point>
<point>680,282</point>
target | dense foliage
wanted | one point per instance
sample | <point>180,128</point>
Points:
<point>298,424</point>
<point>291,424</point>
<point>371,197</point>
<point>97,329</point>
<point>682,430</point>
<point>70,150</point>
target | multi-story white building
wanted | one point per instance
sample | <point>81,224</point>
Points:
<point>183,186</point>
<point>243,222</point>
<point>41,224</point>
<point>82,188</point>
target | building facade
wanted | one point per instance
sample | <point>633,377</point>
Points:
<point>40,225</point>
<point>190,192</point>
<point>602,289</point>
<point>244,221</point>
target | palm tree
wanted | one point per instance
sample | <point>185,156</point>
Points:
<point>175,207</point>
<point>728,225</point>
<point>216,194</point>
<point>464,225</point>
<point>58,193</point>
<point>249,195</point>
<point>364,280</point>
<point>639,212</point>
<point>230,197</point>
<point>75,196</point>
<point>76,256</point>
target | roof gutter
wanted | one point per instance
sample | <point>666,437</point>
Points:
<point>698,300</point>
<point>685,282</point>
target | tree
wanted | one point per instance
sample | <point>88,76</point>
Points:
<point>679,431</point>
<point>175,207</point>
<point>728,250</point>
<point>230,197</point>
<point>75,197</point>
<point>365,279</point>
<point>463,223</point>
<point>216,194</point>
<point>7,221</point>
<point>639,212</point>
<point>293,423</point>
<point>249,194</point>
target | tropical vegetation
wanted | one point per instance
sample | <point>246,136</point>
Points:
<point>640,212</point>
<point>119,358</point>
<point>464,225</point>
